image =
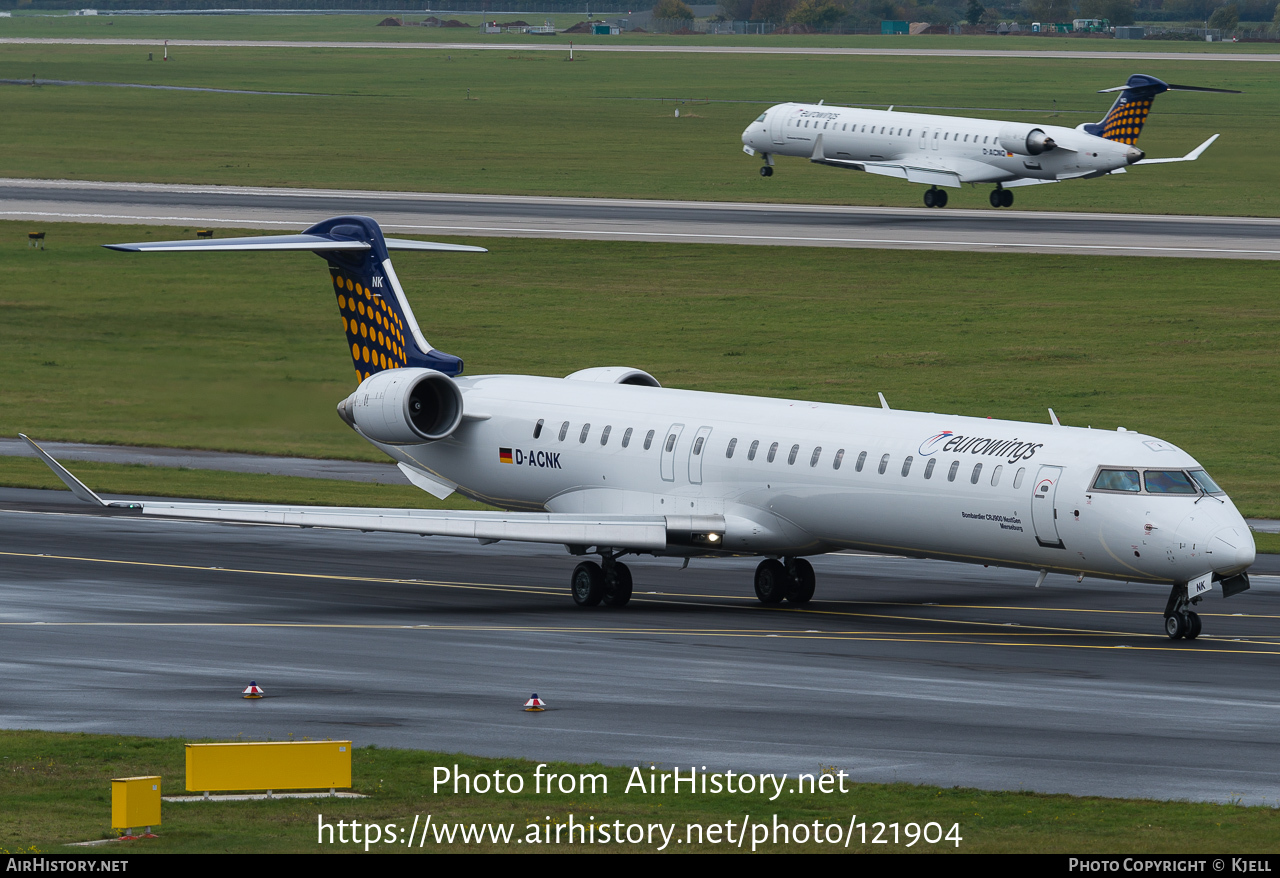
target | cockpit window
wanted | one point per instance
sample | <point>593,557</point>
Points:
<point>762,115</point>
<point>1117,480</point>
<point>1208,485</point>
<point>1160,481</point>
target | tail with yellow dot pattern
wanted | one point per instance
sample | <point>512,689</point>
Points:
<point>382,332</point>
<point>1123,122</point>
<point>380,327</point>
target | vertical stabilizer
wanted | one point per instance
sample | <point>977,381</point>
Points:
<point>1123,122</point>
<point>382,332</point>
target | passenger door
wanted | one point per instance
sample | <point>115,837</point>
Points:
<point>778,121</point>
<point>1044,514</point>
<point>697,452</point>
<point>669,442</point>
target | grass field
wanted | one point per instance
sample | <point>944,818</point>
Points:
<point>601,126</point>
<point>244,352</point>
<point>364,27</point>
<point>56,789</point>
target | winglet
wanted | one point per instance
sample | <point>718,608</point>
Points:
<point>77,487</point>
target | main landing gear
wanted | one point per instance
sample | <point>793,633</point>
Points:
<point>608,583</point>
<point>1001,197</point>
<point>1179,621</point>
<point>935,197</point>
<point>793,581</point>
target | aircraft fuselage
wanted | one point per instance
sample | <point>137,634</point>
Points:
<point>795,478</point>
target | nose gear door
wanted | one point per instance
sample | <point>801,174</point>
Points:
<point>1044,514</point>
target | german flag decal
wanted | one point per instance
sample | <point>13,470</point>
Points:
<point>504,455</point>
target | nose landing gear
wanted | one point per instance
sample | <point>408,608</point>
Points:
<point>1180,623</point>
<point>1001,197</point>
<point>766,171</point>
<point>935,197</point>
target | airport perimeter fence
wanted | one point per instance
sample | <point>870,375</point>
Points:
<point>702,26</point>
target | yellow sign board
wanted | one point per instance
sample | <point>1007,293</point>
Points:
<point>135,801</point>
<point>272,765</point>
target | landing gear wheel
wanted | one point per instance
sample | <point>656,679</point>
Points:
<point>801,581</point>
<point>766,171</point>
<point>617,585</point>
<point>1175,625</point>
<point>929,197</point>
<point>996,199</point>
<point>1193,626</point>
<point>1006,198</point>
<point>587,584</point>
<point>771,581</point>
<point>940,198</point>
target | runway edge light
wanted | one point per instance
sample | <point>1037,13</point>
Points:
<point>535,703</point>
<point>253,690</point>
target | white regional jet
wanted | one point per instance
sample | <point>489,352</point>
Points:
<point>608,462</point>
<point>952,150</point>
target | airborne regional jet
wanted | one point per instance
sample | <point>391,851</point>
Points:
<point>607,462</point>
<point>952,150</point>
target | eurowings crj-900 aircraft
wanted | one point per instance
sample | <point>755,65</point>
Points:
<point>608,462</point>
<point>952,150</point>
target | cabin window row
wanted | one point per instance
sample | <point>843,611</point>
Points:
<point>975,475</point>
<point>585,432</point>
<point>887,129</point>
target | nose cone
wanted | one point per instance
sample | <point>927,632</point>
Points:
<point>1231,550</point>
<point>1134,155</point>
<point>746,136</point>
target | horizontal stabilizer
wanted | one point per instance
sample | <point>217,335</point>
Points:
<point>1189,157</point>
<point>1171,87</point>
<point>315,243</point>
<point>407,244</point>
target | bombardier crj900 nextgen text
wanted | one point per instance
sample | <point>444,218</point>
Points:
<point>608,462</point>
<point>952,150</point>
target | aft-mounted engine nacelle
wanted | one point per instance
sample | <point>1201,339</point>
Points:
<point>615,375</point>
<point>404,406</point>
<point>1025,140</point>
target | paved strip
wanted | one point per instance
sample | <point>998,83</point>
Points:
<point>228,91</point>
<point>342,470</point>
<point>900,670</point>
<point>443,214</point>
<point>650,49</point>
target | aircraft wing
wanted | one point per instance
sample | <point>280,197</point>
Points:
<point>912,173</point>
<point>1189,157</point>
<point>636,532</point>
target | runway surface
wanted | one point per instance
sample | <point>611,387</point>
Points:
<point>897,52</point>
<point>900,670</point>
<point>434,214</point>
